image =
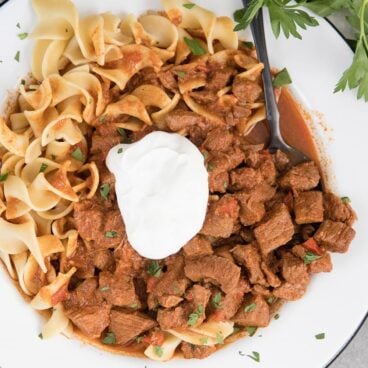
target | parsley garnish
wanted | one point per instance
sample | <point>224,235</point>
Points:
<point>250,308</point>
<point>124,135</point>
<point>17,56</point>
<point>43,167</point>
<point>18,25</point>
<point>203,340</point>
<point>216,301</point>
<point>78,154</point>
<point>219,338</point>
<point>102,119</point>
<point>226,184</point>
<point>310,257</point>
<point>193,317</point>
<point>255,356</point>
<point>205,154</point>
<point>251,330</point>
<point>189,5</point>
<point>154,269</point>
<point>271,299</point>
<point>105,190</point>
<point>109,339</point>
<point>134,306</point>
<point>244,16</point>
<point>105,288</point>
<point>159,351</point>
<point>120,150</point>
<point>276,316</point>
<point>241,353</point>
<point>139,339</point>
<point>180,73</point>
<point>195,46</point>
<point>210,167</point>
<point>111,234</point>
<point>23,35</point>
<point>282,78</point>
<point>320,336</point>
<point>40,336</point>
<point>346,200</point>
<point>4,176</point>
<point>248,44</point>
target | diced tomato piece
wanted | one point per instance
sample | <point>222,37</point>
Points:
<point>312,245</point>
<point>155,338</point>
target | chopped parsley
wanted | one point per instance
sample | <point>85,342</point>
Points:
<point>195,46</point>
<point>40,336</point>
<point>241,353</point>
<point>4,176</point>
<point>22,82</point>
<point>104,288</point>
<point>159,351</point>
<point>226,184</point>
<point>250,308</point>
<point>43,167</point>
<point>193,317</point>
<point>320,336</point>
<point>346,200</point>
<point>78,154</point>
<point>17,56</point>
<point>23,35</point>
<point>154,269</point>
<point>105,190</point>
<point>102,119</point>
<point>180,73</point>
<point>111,234</point>
<point>210,167</point>
<point>310,257</point>
<point>203,340</point>
<point>139,339</point>
<point>236,330</point>
<point>251,330</point>
<point>282,78</point>
<point>276,316</point>
<point>124,135</point>
<point>216,301</point>
<point>120,150</point>
<point>248,44</point>
<point>53,157</point>
<point>134,305</point>
<point>18,25</point>
<point>271,299</point>
<point>255,356</point>
<point>220,339</point>
<point>205,154</point>
<point>189,5</point>
<point>109,339</point>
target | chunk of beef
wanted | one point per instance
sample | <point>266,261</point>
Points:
<point>289,291</point>
<point>91,320</point>
<point>168,80</point>
<point>275,231</point>
<point>195,351</point>
<point>231,302</point>
<point>173,318</point>
<point>86,294</point>
<point>221,217</point>
<point>337,210</point>
<point>262,192</point>
<point>169,301</point>
<point>334,236</point>
<point>254,312</point>
<point>129,262</point>
<point>245,178</point>
<point>204,97</point>
<point>246,90</point>
<point>98,223</point>
<point>218,139</point>
<point>271,277</point>
<point>323,264</point>
<point>308,207</point>
<point>82,259</point>
<point>217,270</point>
<point>182,119</point>
<point>304,176</point>
<point>198,296</point>
<point>225,251</point>
<point>103,259</point>
<point>118,290</point>
<point>219,78</point>
<point>218,182</point>
<point>293,269</point>
<point>199,246</point>
<point>126,326</point>
<point>268,170</point>
<point>282,161</point>
<point>251,211</point>
<point>104,138</point>
<point>240,112</point>
<point>248,256</point>
<point>225,161</point>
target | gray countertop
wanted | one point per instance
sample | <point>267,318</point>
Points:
<point>355,355</point>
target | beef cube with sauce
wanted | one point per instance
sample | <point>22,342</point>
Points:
<point>195,351</point>
<point>218,270</point>
<point>308,207</point>
<point>126,326</point>
<point>323,264</point>
<point>218,139</point>
<point>337,210</point>
<point>254,312</point>
<point>218,182</point>
<point>183,119</point>
<point>221,217</point>
<point>219,78</point>
<point>334,236</point>
<point>276,230</point>
<point>289,291</point>
<point>251,211</point>
<point>304,176</point>
<point>293,269</point>
<point>174,318</point>
<point>245,178</point>
<point>246,90</point>
<point>199,246</point>
<point>104,138</point>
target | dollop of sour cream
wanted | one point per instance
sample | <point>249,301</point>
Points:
<point>162,192</point>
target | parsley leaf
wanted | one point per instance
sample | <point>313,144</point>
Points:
<point>245,16</point>
<point>203,340</point>
<point>159,351</point>
<point>189,5</point>
<point>17,56</point>
<point>120,150</point>
<point>40,336</point>
<point>220,339</point>
<point>193,317</point>
<point>251,330</point>
<point>276,316</point>
<point>154,269</point>
<point>23,35</point>
<point>109,339</point>
<point>346,200</point>
<point>324,8</point>
<point>255,356</point>
<point>111,234</point>
<point>310,257</point>
<point>43,167</point>
<point>123,133</point>
<point>180,73</point>
<point>250,308</point>
<point>4,176</point>
<point>78,155</point>
<point>248,44</point>
<point>104,288</point>
<point>320,336</point>
<point>195,46</point>
<point>216,301</point>
<point>105,190</point>
<point>282,78</point>
<point>271,299</point>
<point>134,305</point>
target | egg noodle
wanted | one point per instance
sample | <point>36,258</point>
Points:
<point>77,64</point>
